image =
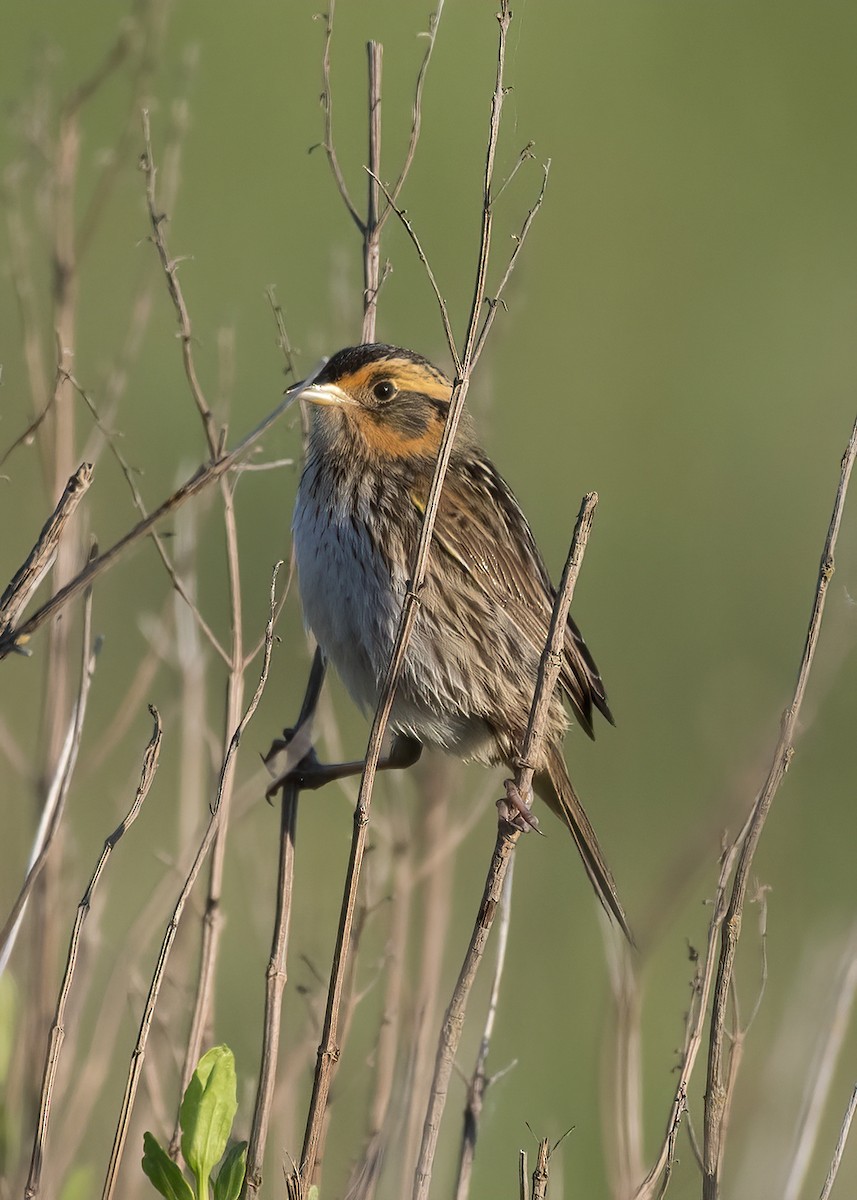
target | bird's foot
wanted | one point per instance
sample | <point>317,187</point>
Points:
<point>515,811</point>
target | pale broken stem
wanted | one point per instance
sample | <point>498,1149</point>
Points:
<point>840,1147</point>
<point>372,228</point>
<point>716,1096</point>
<point>139,1052</point>
<point>57,1034</point>
<point>540,1172</point>
<point>12,639</point>
<point>507,836</point>
<point>56,793</point>
<point>479,1081</point>
<point>40,559</point>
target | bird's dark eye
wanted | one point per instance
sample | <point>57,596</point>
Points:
<point>384,391</point>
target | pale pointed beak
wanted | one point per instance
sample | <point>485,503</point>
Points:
<point>325,393</point>
<point>317,393</point>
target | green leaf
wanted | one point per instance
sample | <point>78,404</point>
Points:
<point>230,1177</point>
<point>207,1112</point>
<point>163,1172</point>
<point>312,1194</point>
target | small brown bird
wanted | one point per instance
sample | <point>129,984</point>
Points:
<point>378,414</point>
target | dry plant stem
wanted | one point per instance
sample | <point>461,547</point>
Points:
<point>507,836</point>
<point>840,1147</point>
<point>327,105</point>
<point>823,1071</point>
<point>56,792</point>
<point>716,1096</point>
<point>170,267</point>
<point>329,1049</point>
<point>693,1033</point>
<point>383,1120</point>
<point>212,919</point>
<point>416,122</point>
<point>371,228</point>
<point>57,1035</point>
<point>523,1176</point>
<point>435,869</point>
<point>276,977</point>
<point>28,577</point>
<point>198,482</point>
<point>276,974</point>
<point>540,1173</point>
<point>479,1081</point>
<point>139,1052</point>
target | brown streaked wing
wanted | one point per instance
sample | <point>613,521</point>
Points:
<point>482,530</point>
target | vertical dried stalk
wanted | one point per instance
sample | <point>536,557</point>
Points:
<point>139,1052</point>
<point>276,974</point>
<point>840,1147</point>
<point>716,1091</point>
<point>371,227</point>
<point>212,917</point>
<point>507,837</point>
<point>479,1081</point>
<point>57,1036</point>
<point>540,1173</point>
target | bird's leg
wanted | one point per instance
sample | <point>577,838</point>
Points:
<point>515,810</point>
<point>308,773</point>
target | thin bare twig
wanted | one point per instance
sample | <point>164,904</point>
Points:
<point>56,793</point>
<point>507,837</point>
<point>170,267</point>
<point>327,105</point>
<point>479,1080</point>
<point>276,975</point>
<point>693,1033</point>
<point>416,122</point>
<point>57,1035</point>
<point>139,1052</point>
<point>840,1147</point>
<point>716,1095</point>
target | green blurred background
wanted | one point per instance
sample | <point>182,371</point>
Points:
<point>680,336</point>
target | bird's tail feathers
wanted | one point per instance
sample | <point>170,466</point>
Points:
<point>555,788</point>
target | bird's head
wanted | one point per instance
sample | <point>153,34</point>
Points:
<point>379,401</point>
